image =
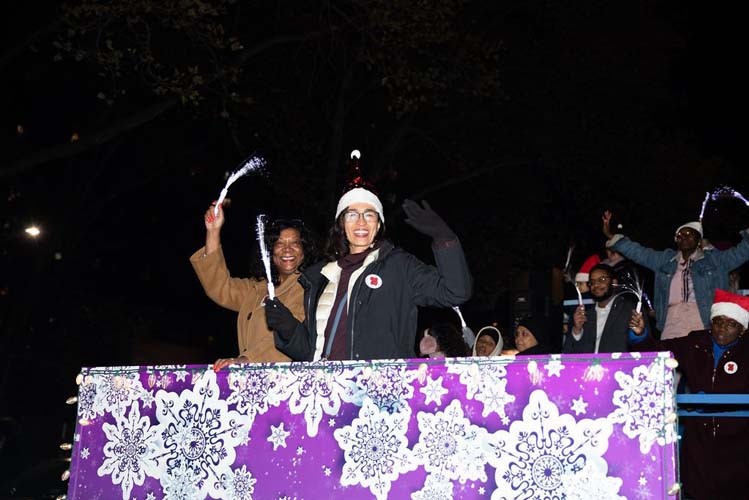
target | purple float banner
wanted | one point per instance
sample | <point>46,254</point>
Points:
<point>558,426</point>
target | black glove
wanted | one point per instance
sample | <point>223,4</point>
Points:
<point>279,318</point>
<point>426,221</point>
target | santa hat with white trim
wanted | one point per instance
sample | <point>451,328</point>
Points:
<point>731,306</point>
<point>358,190</point>
<point>584,274</point>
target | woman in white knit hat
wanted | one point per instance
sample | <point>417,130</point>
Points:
<point>362,303</point>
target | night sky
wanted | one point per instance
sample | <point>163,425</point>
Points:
<point>519,121</point>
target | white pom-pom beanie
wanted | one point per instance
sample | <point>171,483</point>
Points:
<point>359,195</point>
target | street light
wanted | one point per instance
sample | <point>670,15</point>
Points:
<point>33,231</point>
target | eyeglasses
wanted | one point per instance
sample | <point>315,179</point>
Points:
<point>354,216</point>
<point>600,279</point>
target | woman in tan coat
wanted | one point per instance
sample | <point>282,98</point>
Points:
<point>246,295</point>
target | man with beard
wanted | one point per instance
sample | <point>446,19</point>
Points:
<point>604,326</point>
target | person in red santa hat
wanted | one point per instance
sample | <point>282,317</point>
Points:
<point>361,303</point>
<point>713,456</point>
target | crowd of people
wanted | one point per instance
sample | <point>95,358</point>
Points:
<point>361,300</point>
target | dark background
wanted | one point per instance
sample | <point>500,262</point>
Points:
<point>519,121</point>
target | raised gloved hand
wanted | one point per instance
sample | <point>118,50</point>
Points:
<point>426,221</point>
<point>279,318</point>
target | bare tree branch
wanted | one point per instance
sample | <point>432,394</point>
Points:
<point>103,135</point>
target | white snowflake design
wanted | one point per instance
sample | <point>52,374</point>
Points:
<point>534,457</point>
<point>182,484</point>
<point>239,484</point>
<point>555,366</point>
<point>436,487</point>
<point>375,448</point>
<point>278,436</point>
<point>433,391</point>
<point>87,400</point>
<point>115,392</point>
<point>487,385</point>
<point>254,390</point>
<point>388,386</point>
<point>108,390</point>
<point>591,482</point>
<point>644,402</point>
<point>198,433</point>
<point>130,451</point>
<point>317,388</point>
<point>449,445</point>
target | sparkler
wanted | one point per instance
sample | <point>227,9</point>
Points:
<point>579,295</point>
<point>569,255</point>
<point>264,255</point>
<point>720,193</point>
<point>468,334</point>
<point>251,164</point>
<point>631,283</point>
<point>704,202</point>
<point>566,271</point>
<point>728,192</point>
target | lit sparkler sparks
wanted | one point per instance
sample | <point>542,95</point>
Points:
<point>251,164</point>
<point>264,255</point>
<point>720,193</point>
<point>631,283</point>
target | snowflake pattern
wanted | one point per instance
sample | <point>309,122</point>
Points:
<point>579,406</point>
<point>108,390</point>
<point>278,436</point>
<point>254,391</point>
<point>644,402</point>
<point>388,386</point>
<point>182,483</point>
<point>554,367</point>
<point>450,445</point>
<point>435,487</point>
<point>239,484</point>
<point>317,388</point>
<point>433,391</point>
<point>375,448</point>
<point>190,445</point>
<point>534,457</point>
<point>115,392</point>
<point>487,385</point>
<point>591,482</point>
<point>130,451</point>
<point>199,433</point>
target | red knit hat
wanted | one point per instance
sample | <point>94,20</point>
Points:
<point>584,274</point>
<point>732,306</point>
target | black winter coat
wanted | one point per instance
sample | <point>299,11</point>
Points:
<point>614,336</point>
<point>382,321</point>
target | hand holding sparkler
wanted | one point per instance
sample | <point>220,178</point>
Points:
<point>214,216</point>
<point>579,318</point>
<point>251,164</point>
<point>637,322</point>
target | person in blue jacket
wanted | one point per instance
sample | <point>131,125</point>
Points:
<point>685,278</point>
